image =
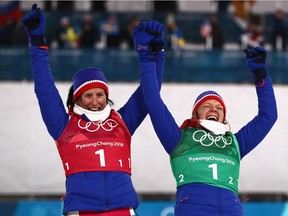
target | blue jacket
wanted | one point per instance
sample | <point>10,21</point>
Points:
<point>88,190</point>
<point>169,134</point>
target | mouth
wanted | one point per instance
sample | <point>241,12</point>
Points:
<point>212,118</point>
<point>95,109</point>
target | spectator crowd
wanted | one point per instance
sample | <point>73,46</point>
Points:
<point>112,31</point>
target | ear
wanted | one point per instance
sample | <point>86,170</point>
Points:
<point>78,100</point>
<point>195,115</point>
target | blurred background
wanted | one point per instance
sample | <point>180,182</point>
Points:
<point>204,42</point>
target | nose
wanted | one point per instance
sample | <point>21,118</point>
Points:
<point>94,100</point>
<point>213,108</point>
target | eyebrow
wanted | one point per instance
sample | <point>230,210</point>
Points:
<point>219,104</point>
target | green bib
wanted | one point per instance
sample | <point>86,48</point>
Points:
<point>207,158</point>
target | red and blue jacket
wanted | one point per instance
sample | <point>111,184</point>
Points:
<point>93,190</point>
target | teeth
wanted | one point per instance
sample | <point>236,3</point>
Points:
<point>212,118</point>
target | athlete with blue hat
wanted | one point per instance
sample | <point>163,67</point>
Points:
<point>92,138</point>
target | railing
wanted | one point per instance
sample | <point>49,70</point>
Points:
<point>122,65</point>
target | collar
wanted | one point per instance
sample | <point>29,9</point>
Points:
<point>213,126</point>
<point>98,116</point>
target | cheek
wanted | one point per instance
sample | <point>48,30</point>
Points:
<point>221,112</point>
<point>103,101</point>
<point>222,116</point>
<point>201,114</point>
<point>83,102</point>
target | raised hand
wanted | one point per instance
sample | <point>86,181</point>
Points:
<point>147,37</point>
<point>34,24</point>
<point>157,42</point>
<point>256,61</point>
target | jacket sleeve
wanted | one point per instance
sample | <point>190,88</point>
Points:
<point>163,122</point>
<point>51,106</point>
<point>134,111</point>
<point>255,131</point>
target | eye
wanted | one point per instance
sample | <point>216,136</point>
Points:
<point>100,94</point>
<point>88,95</point>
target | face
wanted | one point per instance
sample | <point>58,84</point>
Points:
<point>211,110</point>
<point>93,99</point>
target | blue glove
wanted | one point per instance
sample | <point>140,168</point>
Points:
<point>157,43</point>
<point>147,37</point>
<point>255,58</point>
<point>34,25</point>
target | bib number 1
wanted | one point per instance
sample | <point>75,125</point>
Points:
<point>214,171</point>
<point>101,156</point>
<point>214,168</point>
<point>102,159</point>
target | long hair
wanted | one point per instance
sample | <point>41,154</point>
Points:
<point>70,102</point>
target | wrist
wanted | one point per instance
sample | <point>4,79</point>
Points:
<point>144,53</point>
<point>146,58</point>
<point>259,74</point>
<point>38,40</point>
<point>156,46</point>
<point>160,55</point>
<point>260,84</point>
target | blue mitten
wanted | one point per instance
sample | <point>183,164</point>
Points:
<point>157,42</point>
<point>144,36</point>
<point>255,58</point>
<point>34,24</point>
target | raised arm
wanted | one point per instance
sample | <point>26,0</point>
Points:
<point>51,106</point>
<point>163,122</point>
<point>255,131</point>
<point>134,111</point>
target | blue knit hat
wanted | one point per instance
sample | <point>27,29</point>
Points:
<point>208,95</point>
<point>88,78</point>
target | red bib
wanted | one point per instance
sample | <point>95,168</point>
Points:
<point>91,146</point>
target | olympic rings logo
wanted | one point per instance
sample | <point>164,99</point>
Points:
<point>107,125</point>
<point>206,139</point>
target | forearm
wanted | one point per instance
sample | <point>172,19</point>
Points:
<point>267,102</point>
<point>163,122</point>
<point>134,111</point>
<point>160,61</point>
<point>255,131</point>
<point>51,105</point>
